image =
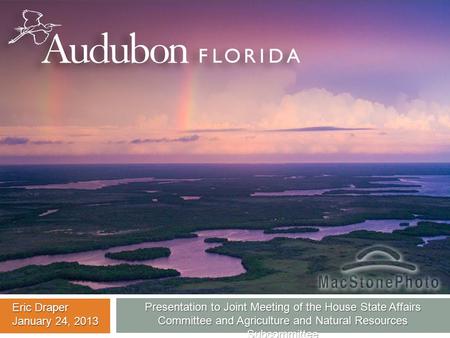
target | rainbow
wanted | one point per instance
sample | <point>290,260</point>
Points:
<point>187,96</point>
<point>52,97</point>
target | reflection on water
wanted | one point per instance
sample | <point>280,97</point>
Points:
<point>99,184</point>
<point>310,192</point>
<point>48,212</point>
<point>189,256</point>
<point>90,185</point>
<point>387,226</point>
<point>429,185</point>
<point>190,198</point>
<point>426,185</point>
<point>437,185</point>
<point>427,240</point>
<point>104,285</point>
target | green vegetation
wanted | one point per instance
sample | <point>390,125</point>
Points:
<point>73,229</point>
<point>283,265</point>
<point>35,274</point>
<point>139,254</point>
<point>288,265</point>
<point>55,286</point>
<point>125,214</point>
<point>426,229</point>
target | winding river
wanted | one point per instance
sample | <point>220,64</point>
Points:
<point>189,256</point>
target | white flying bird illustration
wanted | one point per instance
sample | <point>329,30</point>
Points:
<point>33,26</point>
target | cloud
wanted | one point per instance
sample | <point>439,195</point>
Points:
<point>79,135</point>
<point>218,130</point>
<point>46,142</point>
<point>315,129</point>
<point>183,139</point>
<point>299,130</point>
<point>320,107</point>
<point>13,141</point>
<point>296,124</point>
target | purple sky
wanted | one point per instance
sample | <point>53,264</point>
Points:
<point>373,84</point>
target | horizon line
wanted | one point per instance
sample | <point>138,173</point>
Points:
<point>220,163</point>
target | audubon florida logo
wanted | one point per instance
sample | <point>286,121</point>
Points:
<point>378,268</point>
<point>134,52</point>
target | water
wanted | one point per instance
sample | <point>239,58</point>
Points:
<point>104,285</point>
<point>410,179</point>
<point>191,198</point>
<point>90,185</point>
<point>427,240</point>
<point>387,226</point>
<point>48,212</point>
<point>309,192</point>
<point>429,185</point>
<point>99,184</point>
<point>189,256</point>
